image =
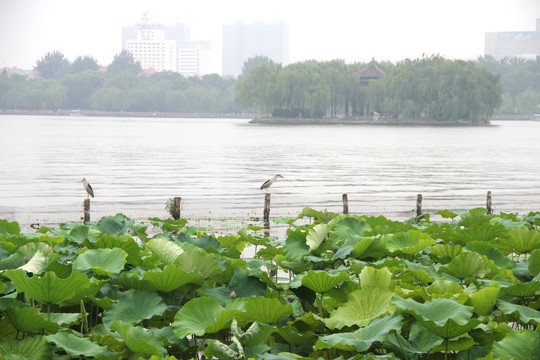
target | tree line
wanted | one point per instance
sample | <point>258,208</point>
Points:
<point>431,87</point>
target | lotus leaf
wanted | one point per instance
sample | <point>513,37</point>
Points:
<point>484,300</point>
<point>444,317</point>
<point>171,278</point>
<point>49,289</point>
<point>295,338</point>
<point>266,310</point>
<point>316,236</point>
<point>361,340</point>
<point>245,285</point>
<point>375,277</point>
<point>362,306</point>
<point>124,242</point>
<point>523,290</point>
<point>446,252</point>
<point>444,288</point>
<point>31,347</point>
<point>115,225</point>
<point>200,260</point>
<point>491,252</point>
<point>75,345</point>
<point>135,306</point>
<point>257,333</point>
<point>13,261</point>
<point>28,319</point>
<point>201,316</point>
<point>420,341</point>
<point>521,240</point>
<point>165,249</point>
<point>221,351</point>
<point>525,314</point>
<point>534,262</point>
<point>524,345</point>
<point>410,242</point>
<point>466,265</point>
<point>101,261</point>
<point>350,228</point>
<point>9,227</point>
<point>322,281</point>
<point>138,340</point>
<point>460,344</point>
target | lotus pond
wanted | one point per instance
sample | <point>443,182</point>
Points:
<point>335,287</point>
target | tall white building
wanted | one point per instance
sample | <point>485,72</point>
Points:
<point>194,58</point>
<point>167,48</point>
<point>241,42</point>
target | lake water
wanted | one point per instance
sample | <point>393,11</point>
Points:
<point>217,166</point>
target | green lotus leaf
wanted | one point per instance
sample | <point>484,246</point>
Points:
<point>124,242</point>
<point>201,260</point>
<point>9,227</point>
<point>134,306</point>
<point>447,214</point>
<point>316,236</point>
<point>446,252</point>
<point>362,339</point>
<point>35,264</point>
<point>78,234</point>
<point>522,290</point>
<point>525,314</point>
<point>221,351</point>
<point>48,289</point>
<point>466,265</point>
<point>168,225</point>
<point>115,225</point>
<point>31,347</point>
<point>479,232</point>
<point>29,319</point>
<point>266,310</point>
<point>444,317</point>
<point>295,245</point>
<point>202,315</point>
<point>410,242</point>
<point>62,318</point>
<point>522,345</point>
<point>322,281</point>
<point>101,261</point>
<point>491,252</point>
<point>444,287</point>
<point>293,337</point>
<point>361,307</point>
<point>256,334</point>
<point>484,300</point>
<point>85,292</point>
<point>166,250</point>
<point>350,228</point>
<point>13,261</point>
<point>75,346</point>
<point>460,344</point>
<point>139,340</point>
<point>419,341</point>
<point>370,276</point>
<point>534,262</point>
<point>171,278</point>
<point>521,240</point>
<point>245,285</point>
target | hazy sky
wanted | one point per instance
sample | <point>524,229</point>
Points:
<point>354,30</point>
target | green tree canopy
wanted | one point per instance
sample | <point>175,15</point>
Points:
<point>53,65</point>
<point>124,62</point>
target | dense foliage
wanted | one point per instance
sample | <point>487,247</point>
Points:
<point>433,88</point>
<point>438,89</point>
<point>337,287</point>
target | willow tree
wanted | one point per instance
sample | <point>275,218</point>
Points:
<point>438,89</point>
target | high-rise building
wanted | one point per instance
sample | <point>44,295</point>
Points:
<point>194,58</point>
<point>510,44</point>
<point>152,49</point>
<point>244,41</point>
<point>166,48</point>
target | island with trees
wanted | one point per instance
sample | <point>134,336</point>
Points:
<point>431,89</point>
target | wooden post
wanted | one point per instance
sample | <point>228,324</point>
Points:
<point>177,200</point>
<point>489,204</point>
<point>267,207</point>
<point>418,204</point>
<point>86,210</point>
<point>345,204</point>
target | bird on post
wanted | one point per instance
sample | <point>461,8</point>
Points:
<point>88,188</point>
<point>269,182</point>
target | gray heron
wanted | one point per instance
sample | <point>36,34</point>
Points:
<point>269,182</point>
<point>88,188</point>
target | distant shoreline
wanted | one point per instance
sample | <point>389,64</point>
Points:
<point>361,121</point>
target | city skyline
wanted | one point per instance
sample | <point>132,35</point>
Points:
<point>390,30</point>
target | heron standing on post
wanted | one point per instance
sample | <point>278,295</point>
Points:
<point>269,182</point>
<point>88,188</point>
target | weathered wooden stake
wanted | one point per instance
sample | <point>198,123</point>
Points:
<point>418,204</point>
<point>267,207</point>
<point>345,204</point>
<point>489,204</point>
<point>177,200</point>
<point>86,210</point>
